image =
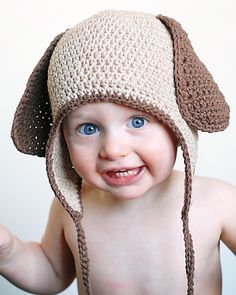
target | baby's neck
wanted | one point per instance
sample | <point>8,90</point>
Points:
<point>157,198</point>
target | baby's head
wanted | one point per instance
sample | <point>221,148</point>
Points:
<point>119,149</point>
<point>121,59</point>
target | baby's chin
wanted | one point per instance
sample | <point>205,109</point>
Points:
<point>124,194</point>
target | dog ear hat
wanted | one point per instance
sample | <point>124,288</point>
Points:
<point>130,58</point>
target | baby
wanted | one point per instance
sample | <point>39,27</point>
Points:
<point>108,105</point>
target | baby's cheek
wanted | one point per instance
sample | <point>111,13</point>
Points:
<point>83,164</point>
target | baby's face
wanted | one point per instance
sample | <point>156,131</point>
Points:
<point>118,149</point>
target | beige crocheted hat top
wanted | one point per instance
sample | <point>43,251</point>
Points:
<point>130,58</point>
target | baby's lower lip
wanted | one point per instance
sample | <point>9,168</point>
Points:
<point>123,176</point>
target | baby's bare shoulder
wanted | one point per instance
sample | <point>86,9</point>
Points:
<point>213,188</point>
<point>218,198</point>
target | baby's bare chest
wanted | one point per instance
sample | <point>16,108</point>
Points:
<point>145,258</point>
<point>134,261</point>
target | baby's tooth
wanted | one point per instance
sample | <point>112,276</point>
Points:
<point>127,172</point>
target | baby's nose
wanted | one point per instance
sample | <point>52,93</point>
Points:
<point>112,149</point>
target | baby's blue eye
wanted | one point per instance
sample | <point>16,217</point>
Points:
<point>137,122</point>
<point>88,129</point>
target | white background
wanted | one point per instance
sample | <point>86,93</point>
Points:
<point>26,29</point>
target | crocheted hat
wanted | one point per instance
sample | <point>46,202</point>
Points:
<point>130,58</point>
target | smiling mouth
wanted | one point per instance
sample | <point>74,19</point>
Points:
<point>124,176</point>
<point>123,172</point>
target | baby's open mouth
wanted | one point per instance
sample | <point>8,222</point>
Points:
<point>123,172</point>
<point>123,176</point>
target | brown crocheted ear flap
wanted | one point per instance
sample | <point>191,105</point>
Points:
<point>200,101</point>
<point>33,120</point>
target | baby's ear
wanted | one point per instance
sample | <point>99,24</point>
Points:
<point>33,119</point>
<point>200,101</point>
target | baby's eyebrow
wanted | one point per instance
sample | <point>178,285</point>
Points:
<point>81,115</point>
<point>141,113</point>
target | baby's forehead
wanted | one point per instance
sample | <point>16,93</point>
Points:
<point>105,108</point>
<point>107,112</point>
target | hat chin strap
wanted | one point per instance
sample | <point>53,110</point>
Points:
<point>188,242</point>
<point>83,252</point>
